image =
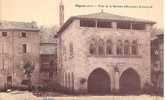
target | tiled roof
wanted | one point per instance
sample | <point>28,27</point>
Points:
<point>104,16</point>
<point>12,25</point>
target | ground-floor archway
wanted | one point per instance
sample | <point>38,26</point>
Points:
<point>99,82</point>
<point>129,82</point>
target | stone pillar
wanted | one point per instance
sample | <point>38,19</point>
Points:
<point>72,78</point>
<point>116,79</point>
<point>116,82</point>
<point>114,25</point>
<point>64,80</point>
<point>69,86</point>
<point>148,27</point>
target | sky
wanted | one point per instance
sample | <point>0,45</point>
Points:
<point>46,12</point>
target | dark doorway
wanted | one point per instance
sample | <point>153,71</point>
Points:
<point>9,82</point>
<point>99,82</point>
<point>130,82</point>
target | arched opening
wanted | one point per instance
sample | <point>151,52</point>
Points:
<point>109,46</point>
<point>126,47</point>
<point>119,47</point>
<point>134,47</point>
<point>129,82</point>
<point>93,47</point>
<point>99,82</point>
<point>101,49</point>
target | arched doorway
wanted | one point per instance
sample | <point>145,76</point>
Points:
<point>129,82</point>
<point>99,82</point>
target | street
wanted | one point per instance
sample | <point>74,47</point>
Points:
<point>25,95</point>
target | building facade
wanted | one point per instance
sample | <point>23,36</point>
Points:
<point>48,58</point>
<point>19,54</point>
<point>157,61</point>
<point>104,53</point>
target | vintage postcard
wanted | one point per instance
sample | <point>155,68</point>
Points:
<point>81,50</point>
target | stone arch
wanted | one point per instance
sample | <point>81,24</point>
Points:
<point>99,82</point>
<point>90,38</point>
<point>91,43</point>
<point>129,82</point>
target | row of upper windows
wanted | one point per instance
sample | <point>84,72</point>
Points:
<point>109,48</point>
<point>106,24</point>
<point>22,34</point>
<point>102,48</point>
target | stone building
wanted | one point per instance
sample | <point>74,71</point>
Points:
<point>48,57</point>
<point>157,61</point>
<point>19,54</point>
<point>104,53</point>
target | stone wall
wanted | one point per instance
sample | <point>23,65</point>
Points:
<point>82,63</point>
<point>12,58</point>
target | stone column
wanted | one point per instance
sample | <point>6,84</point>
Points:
<point>114,25</point>
<point>116,81</point>
<point>72,82</point>
<point>148,27</point>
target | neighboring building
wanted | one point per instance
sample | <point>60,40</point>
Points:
<point>48,57</point>
<point>19,50</point>
<point>104,53</point>
<point>157,63</point>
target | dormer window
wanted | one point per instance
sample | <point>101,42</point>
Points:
<point>23,34</point>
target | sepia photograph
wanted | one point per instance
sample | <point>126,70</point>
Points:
<point>81,50</point>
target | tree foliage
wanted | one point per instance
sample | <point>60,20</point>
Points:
<point>28,67</point>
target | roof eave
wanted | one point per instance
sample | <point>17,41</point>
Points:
<point>64,26</point>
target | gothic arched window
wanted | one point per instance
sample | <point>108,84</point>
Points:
<point>134,47</point>
<point>71,49</point>
<point>109,47</point>
<point>64,53</point>
<point>119,48</point>
<point>101,49</point>
<point>126,47</point>
<point>93,47</point>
